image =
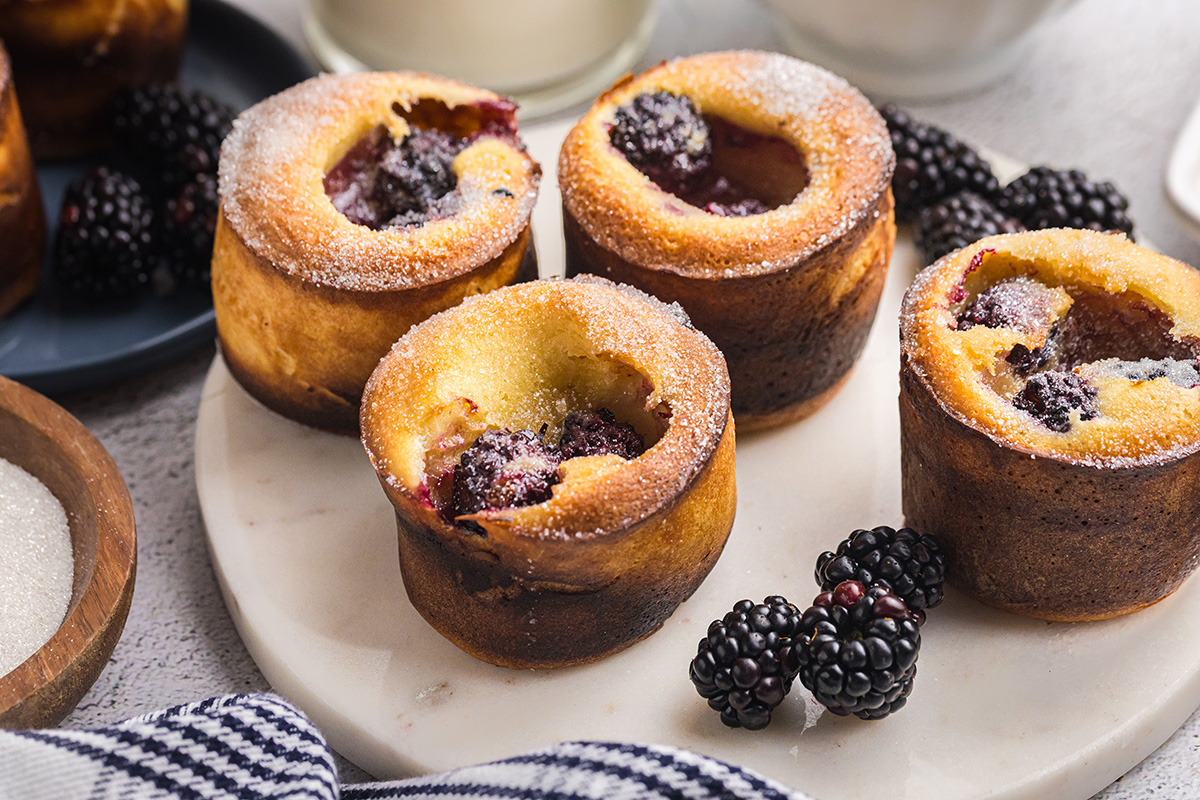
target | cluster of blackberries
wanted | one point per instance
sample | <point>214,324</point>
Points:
<point>949,192</point>
<point>149,218</point>
<point>855,649</point>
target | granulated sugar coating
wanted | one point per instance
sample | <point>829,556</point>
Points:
<point>843,141</point>
<point>36,565</point>
<point>1127,322</point>
<point>522,357</point>
<point>274,161</point>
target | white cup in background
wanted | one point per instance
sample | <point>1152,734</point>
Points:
<point>913,49</point>
<point>548,54</point>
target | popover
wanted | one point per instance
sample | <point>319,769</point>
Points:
<point>351,208</point>
<point>22,218</point>
<point>754,190</point>
<point>560,456</point>
<point>1050,420</point>
<point>71,57</point>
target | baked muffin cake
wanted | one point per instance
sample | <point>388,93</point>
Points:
<point>351,208</point>
<point>70,58</point>
<point>1050,420</point>
<point>22,219</point>
<point>753,189</point>
<point>560,455</point>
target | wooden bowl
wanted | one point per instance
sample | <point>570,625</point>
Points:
<point>43,439</point>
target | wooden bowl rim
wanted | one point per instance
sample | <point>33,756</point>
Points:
<point>116,551</point>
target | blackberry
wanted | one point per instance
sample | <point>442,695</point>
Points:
<point>1050,397</point>
<point>1050,198</point>
<point>185,232</point>
<point>932,164</point>
<point>1024,361</point>
<point>957,221</point>
<point>664,136</point>
<point>416,176</point>
<point>385,184</point>
<point>1180,373</point>
<point>503,469</point>
<point>858,651</point>
<point>594,433</point>
<point>1018,302</point>
<point>176,134</point>
<point>745,207</point>
<point>103,248</point>
<point>908,564</point>
<point>745,666</point>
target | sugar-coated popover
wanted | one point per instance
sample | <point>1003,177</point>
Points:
<point>353,207</point>
<point>753,189</point>
<point>71,57</point>
<point>1050,420</point>
<point>560,456</point>
<point>22,219</point>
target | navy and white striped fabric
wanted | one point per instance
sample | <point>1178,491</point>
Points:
<point>258,746</point>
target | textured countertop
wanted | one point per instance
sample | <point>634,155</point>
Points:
<point>1105,88</point>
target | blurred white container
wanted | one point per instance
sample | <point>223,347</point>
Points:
<point>913,49</point>
<point>548,54</point>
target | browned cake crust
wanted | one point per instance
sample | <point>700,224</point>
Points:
<point>22,218</point>
<point>307,301</point>
<point>609,557</point>
<point>788,295</point>
<point>1084,524</point>
<point>71,57</point>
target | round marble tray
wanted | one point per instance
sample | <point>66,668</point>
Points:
<point>303,543</point>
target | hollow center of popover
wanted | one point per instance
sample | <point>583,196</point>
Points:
<point>705,160</point>
<point>519,407</point>
<point>383,183</point>
<point>1072,342</point>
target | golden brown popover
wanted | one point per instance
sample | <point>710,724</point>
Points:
<point>1050,421</point>
<point>308,300</point>
<point>615,541</point>
<point>770,221</point>
<point>70,58</point>
<point>22,218</point>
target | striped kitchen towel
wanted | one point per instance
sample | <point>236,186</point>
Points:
<point>258,746</point>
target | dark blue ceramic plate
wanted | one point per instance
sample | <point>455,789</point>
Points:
<point>238,60</point>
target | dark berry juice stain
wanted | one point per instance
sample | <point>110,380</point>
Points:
<point>381,183</point>
<point>704,160</point>
<point>510,469</point>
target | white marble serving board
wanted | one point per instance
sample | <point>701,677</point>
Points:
<point>304,546</point>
